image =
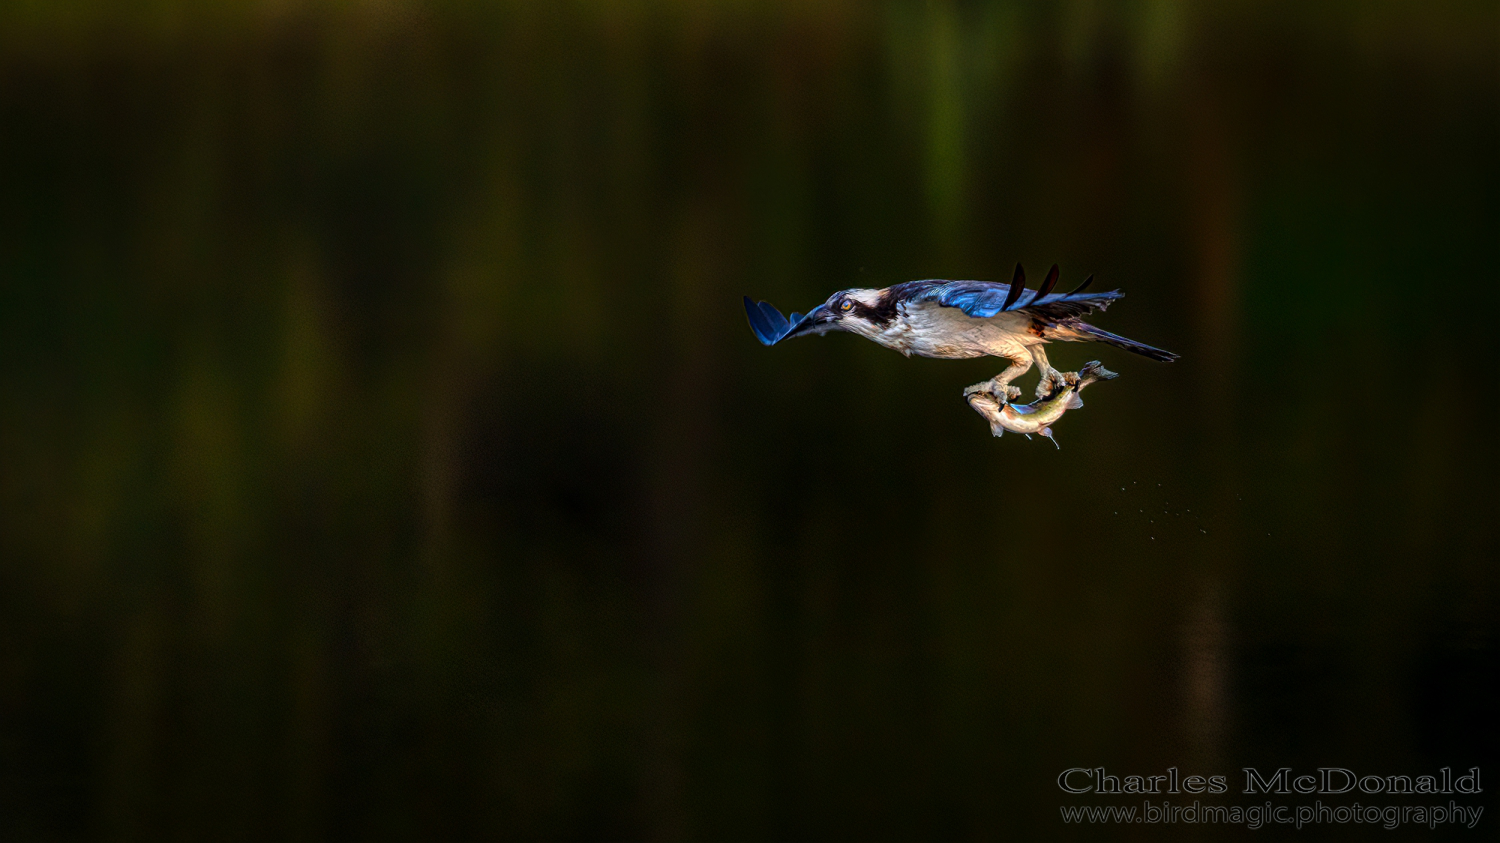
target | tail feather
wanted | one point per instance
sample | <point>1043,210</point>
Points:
<point>1086,331</point>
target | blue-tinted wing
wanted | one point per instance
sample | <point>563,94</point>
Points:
<point>979,299</point>
<point>983,299</point>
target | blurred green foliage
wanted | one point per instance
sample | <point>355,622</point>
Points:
<point>383,453</point>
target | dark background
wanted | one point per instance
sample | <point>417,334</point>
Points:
<point>384,453</point>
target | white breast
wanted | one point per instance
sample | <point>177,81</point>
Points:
<point>930,330</point>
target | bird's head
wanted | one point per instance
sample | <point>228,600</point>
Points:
<point>846,310</point>
<point>863,312</point>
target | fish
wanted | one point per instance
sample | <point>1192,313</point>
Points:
<point>1039,416</point>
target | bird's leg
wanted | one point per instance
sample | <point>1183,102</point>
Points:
<point>1051,378</point>
<point>999,386</point>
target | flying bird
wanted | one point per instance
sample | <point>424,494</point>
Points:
<point>957,320</point>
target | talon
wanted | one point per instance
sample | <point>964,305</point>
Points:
<point>1002,393</point>
<point>1049,383</point>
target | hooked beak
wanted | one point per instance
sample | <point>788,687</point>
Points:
<point>771,327</point>
<point>817,321</point>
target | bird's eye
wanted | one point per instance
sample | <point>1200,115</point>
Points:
<point>846,306</point>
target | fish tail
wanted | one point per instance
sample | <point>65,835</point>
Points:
<point>1093,371</point>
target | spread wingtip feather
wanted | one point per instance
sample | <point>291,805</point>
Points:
<point>1047,284</point>
<point>1017,284</point>
<point>1081,287</point>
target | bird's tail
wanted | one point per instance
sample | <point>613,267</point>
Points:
<point>1086,331</point>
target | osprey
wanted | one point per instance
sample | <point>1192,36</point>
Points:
<point>955,320</point>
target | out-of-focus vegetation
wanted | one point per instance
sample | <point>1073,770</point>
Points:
<point>383,453</point>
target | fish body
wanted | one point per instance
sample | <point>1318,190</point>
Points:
<point>1039,416</point>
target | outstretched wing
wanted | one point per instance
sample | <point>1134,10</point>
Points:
<point>983,299</point>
